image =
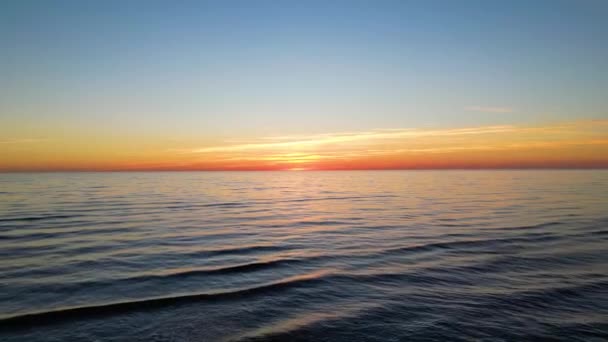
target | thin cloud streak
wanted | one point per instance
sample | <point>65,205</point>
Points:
<point>370,136</point>
<point>409,147</point>
<point>21,141</point>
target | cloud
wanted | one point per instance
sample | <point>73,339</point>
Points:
<point>21,141</point>
<point>295,142</point>
<point>489,109</point>
<point>406,146</point>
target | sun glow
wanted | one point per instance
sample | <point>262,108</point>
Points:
<point>570,144</point>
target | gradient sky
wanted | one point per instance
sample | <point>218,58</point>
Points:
<point>240,85</point>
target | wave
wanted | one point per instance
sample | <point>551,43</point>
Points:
<point>123,258</point>
<point>529,227</point>
<point>246,250</point>
<point>240,251</point>
<point>63,234</point>
<point>312,199</point>
<point>66,314</point>
<point>416,315</point>
<point>188,206</point>
<point>38,218</point>
<point>299,281</point>
<point>239,268</point>
<point>458,245</point>
<point>425,277</point>
<point>209,205</point>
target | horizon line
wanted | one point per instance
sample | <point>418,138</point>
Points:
<point>532,168</point>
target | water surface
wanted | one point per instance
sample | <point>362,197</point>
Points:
<point>319,256</point>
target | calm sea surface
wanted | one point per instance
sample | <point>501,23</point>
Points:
<point>315,256</point>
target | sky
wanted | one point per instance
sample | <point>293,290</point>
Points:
<point>302,85</point>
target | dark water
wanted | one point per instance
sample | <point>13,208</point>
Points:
<point>316,256</point>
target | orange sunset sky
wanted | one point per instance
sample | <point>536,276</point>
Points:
<point>580,144</point>
<point>302,86</point>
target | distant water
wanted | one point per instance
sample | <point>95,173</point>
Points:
<point>311,256</point>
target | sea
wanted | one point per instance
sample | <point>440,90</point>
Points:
<point>509,255</point>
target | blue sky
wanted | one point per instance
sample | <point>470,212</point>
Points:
<point>234,68</point>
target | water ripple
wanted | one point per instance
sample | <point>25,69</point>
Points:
<point>323,256</point>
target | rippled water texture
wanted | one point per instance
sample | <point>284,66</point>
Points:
<point>318,256</point>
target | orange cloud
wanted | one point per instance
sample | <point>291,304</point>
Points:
<point>569,144</point>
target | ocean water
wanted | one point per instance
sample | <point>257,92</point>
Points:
<point>310,256</point>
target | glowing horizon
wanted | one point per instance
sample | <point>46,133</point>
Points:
<point>578,144</point>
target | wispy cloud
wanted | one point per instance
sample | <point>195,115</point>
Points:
<point>485,109</point>
<point>21,141</point>
<point>403,145</point>
<point>289,142</point>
